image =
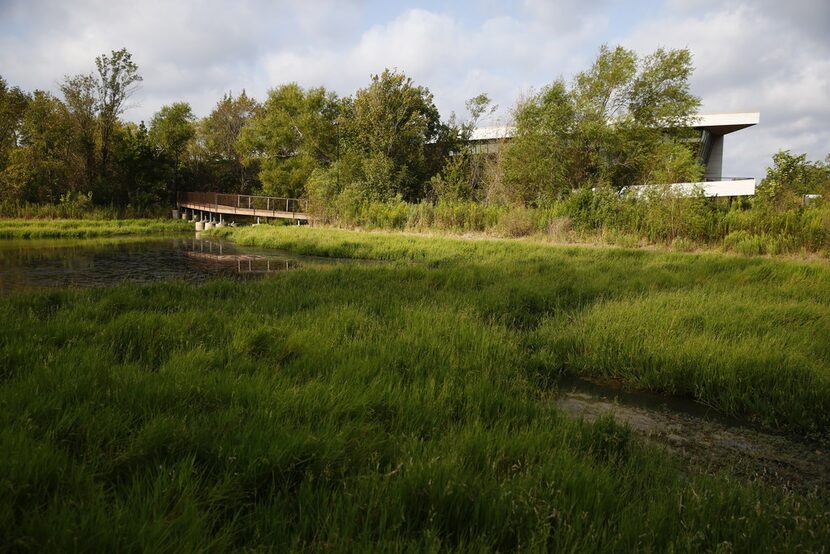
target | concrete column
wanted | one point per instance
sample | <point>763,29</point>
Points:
<point>714,166</point>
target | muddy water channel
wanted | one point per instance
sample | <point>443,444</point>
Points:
<point>34,264</point>
<point>700,435</point>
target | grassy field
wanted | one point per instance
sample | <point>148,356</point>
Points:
<point>405,406</point>
<point>750,337</point>
<point>87,228</point>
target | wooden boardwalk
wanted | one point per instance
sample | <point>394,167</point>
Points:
<point>243,204</point>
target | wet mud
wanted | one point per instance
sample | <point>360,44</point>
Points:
<point>701,436</point>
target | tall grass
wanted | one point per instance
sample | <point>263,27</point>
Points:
<point>404,406</point>
<point>85,228</point>
<point>358,408</point>
<point>750,337</point>
<point>604,216</point>
<point>76,207</point>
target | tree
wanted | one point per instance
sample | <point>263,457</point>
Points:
<point>39,168</point>
<point>660,95</point>
<point>609,126</point>
<point>79,95</point>
<point>672,162</point>
<point>294,133</point>
<point>118,79</point>
<point>538,162</point>
<point>13,102</point>
<point>171,128</point>
<point>171,131</point>
<point>139,170</point>
<point>789,179</point>
<point>220,132</point>
<point>463,168</point>
<point>648,102</point>
<point>392,122</point>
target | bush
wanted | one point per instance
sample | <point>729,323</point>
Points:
<point>629,220</point>
<point>559,228</point>
<point>466,216</point>
<point>620,238</point>
<point>518,222</point>
<point>682,244</point>
<point>743,242</point>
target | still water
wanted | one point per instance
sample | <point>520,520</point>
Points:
<point>33,264</point>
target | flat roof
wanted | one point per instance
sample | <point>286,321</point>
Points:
<point>711,189</point>
<point>492,133</point>
<point>717,123</point>
<point>723,123</point>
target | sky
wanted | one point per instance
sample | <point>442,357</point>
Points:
<point>768,56</point>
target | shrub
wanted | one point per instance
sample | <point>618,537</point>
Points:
<point>657,216</point>
<point>559,228</point>
<point>743,242</point>
<point>682,244</point>
<point>620,238</point>
<point>518,222</point>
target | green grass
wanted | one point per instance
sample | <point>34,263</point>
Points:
<point>750,337</point>
<point>86,228</point>
<point>403,406</point>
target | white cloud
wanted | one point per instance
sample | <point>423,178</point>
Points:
<point>187,50</point>
<point>502,56</point>
<point>752,59</point>
<point>750,55</point>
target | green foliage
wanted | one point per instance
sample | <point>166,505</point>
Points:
<point>118,79</point>
<point>672,162</point>
<point>39,168</point>
<point>535,163</point>
<point>294,133</point>
<point>744,243</point>
<point>13,102</point>
<point>219,141</point>
<point>142,172</point>
<point>609,126</point>
<point>659,215</point>
<point>348,210</point>
<point>172,129</point>
<point>789,179</point>
<point>387,128</point>
<point>454,182</point>
<point>463,173</point>
<point>79,97</point>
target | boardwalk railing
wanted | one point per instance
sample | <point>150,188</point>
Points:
<point>243,204</point>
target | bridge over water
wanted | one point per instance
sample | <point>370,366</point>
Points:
<point>221,204</point>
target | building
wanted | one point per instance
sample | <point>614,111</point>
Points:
<point>712,129</point>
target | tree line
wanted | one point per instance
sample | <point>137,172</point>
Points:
<point>623,121</point>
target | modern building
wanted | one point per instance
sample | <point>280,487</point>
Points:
<point>712,129</point>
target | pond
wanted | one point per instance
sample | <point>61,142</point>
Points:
<point>34,264</point>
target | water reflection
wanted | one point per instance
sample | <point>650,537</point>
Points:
<point>223,257</point>
<point>28,264</point>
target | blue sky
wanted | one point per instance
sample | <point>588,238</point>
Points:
<point>750,55</point>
